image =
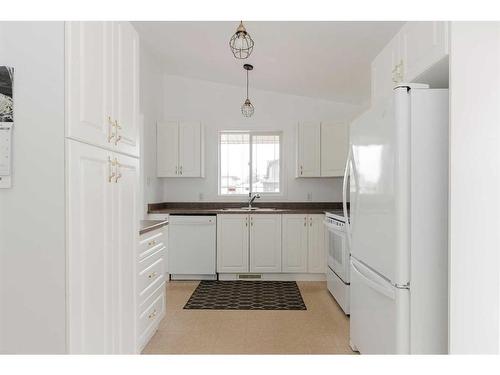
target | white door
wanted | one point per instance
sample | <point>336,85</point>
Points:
<point>294,243</point>
<point>232,243</point>
<point>379,187</point>
<point>316,247</point>
<point>380,313</point>
<point>167,149</point>
<point>424,43</point>
<point>126,87</point>
<point>90,250</point>
<point>334,146</point>
<point>89,82</point>
<point>308,149</point>
<point>125,238</point>
<point>384,70</point>
<point>189,149</point>
<point>265,243</point>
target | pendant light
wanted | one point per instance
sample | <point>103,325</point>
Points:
<point>247,109</point>
<point>241,43</point>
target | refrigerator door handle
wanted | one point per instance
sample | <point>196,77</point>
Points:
<point>344,197</point>
<point>386,291</point>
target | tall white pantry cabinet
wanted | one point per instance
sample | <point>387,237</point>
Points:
<point>102,186</point>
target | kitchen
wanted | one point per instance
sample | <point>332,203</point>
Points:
<point>210,199</point>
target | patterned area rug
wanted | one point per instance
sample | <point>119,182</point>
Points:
<point>246,295</point>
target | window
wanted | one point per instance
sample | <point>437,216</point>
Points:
<point>249,163</point>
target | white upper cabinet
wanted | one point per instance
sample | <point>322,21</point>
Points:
<point>316,262</point>
<point>334,145</point>
<point>308,149</point>
<point>416,48</point>
<point>180,149</point>
<point>294,255</point>
<point>424,43</point>
<point>126,87</point>
<point>102,84</point>
<point>321,149</point>
<point>386,70</point>
<point>190,149</point>
<point>167,138</point>
<point>89,82</point>
<point>265,243</point>
<point>232,243</point>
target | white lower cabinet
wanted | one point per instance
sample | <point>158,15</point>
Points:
<point>102,190</point>
<point>271,243</point>
<point>316,250</point>
<point>248,243</point>
<point>265,243</point>
<point>232,243</point>
<point>304,243</point>
<point>151,296</point>
<point>295,243</point>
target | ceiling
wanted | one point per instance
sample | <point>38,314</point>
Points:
<point>329,60</point>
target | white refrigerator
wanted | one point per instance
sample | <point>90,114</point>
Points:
<point>398,162</point>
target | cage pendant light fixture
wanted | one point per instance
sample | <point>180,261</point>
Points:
<point>247,109</point>
<point>241,43</point>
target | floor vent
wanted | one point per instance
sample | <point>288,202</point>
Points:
<point>247,276</point>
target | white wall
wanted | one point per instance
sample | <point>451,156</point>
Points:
<point>475,187</point>
<point>217,106</point>
<point>32,217</point>
<point>151,102</point>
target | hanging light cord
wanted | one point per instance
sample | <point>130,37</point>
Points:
<point>247,83</point>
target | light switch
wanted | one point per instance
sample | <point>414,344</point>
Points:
<point>5,154</point>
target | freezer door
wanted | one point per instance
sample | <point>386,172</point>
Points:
<point>380,313</point>
<point>379,187</point>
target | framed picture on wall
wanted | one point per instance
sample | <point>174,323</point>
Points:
<point>6,97</point>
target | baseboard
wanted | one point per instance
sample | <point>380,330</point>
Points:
<point>192,277</point>
<point>274,276</point>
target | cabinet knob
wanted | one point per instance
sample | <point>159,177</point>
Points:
<point>152,275</point>
<point>152,315</point>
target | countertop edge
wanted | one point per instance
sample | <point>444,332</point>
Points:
<point>151,225</point>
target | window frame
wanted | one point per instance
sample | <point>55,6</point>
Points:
<point>251,133</point>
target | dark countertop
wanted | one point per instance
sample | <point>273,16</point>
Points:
<point>146,226</point>
<point>207,208</point>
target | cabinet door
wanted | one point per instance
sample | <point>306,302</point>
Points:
<point>383,70</point>
<point>89,82</point>
<point>424,43</point>
<point>190,149</point>
<point>125,238</point>
<point>308,149</point>
<point>334,145</point>
<point>317,250</point>
<point>167,148</point>
<point>294,242</point>
<point>232,243</point>
<point>126,87</point>
<point>90,250</point>
<point>265,243</point>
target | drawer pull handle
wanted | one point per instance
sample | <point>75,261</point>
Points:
<point>151,243</point>
<point>152,275</point>
<point>152,315</point>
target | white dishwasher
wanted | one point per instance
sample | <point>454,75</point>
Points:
<point>192,247</point>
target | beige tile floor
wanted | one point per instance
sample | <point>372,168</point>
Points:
<point>321,329</point>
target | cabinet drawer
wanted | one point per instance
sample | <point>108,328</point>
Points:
<point>150,242</point>
<point>151,273</point>
<point>151,315</point>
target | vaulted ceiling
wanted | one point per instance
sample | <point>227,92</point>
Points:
<point>329,60</point>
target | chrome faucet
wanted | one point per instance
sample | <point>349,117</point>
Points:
<point>251,198</point>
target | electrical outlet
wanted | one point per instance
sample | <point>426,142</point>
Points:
<point>201,196</point>
<point>310,196</point>
<point>148,181</point>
